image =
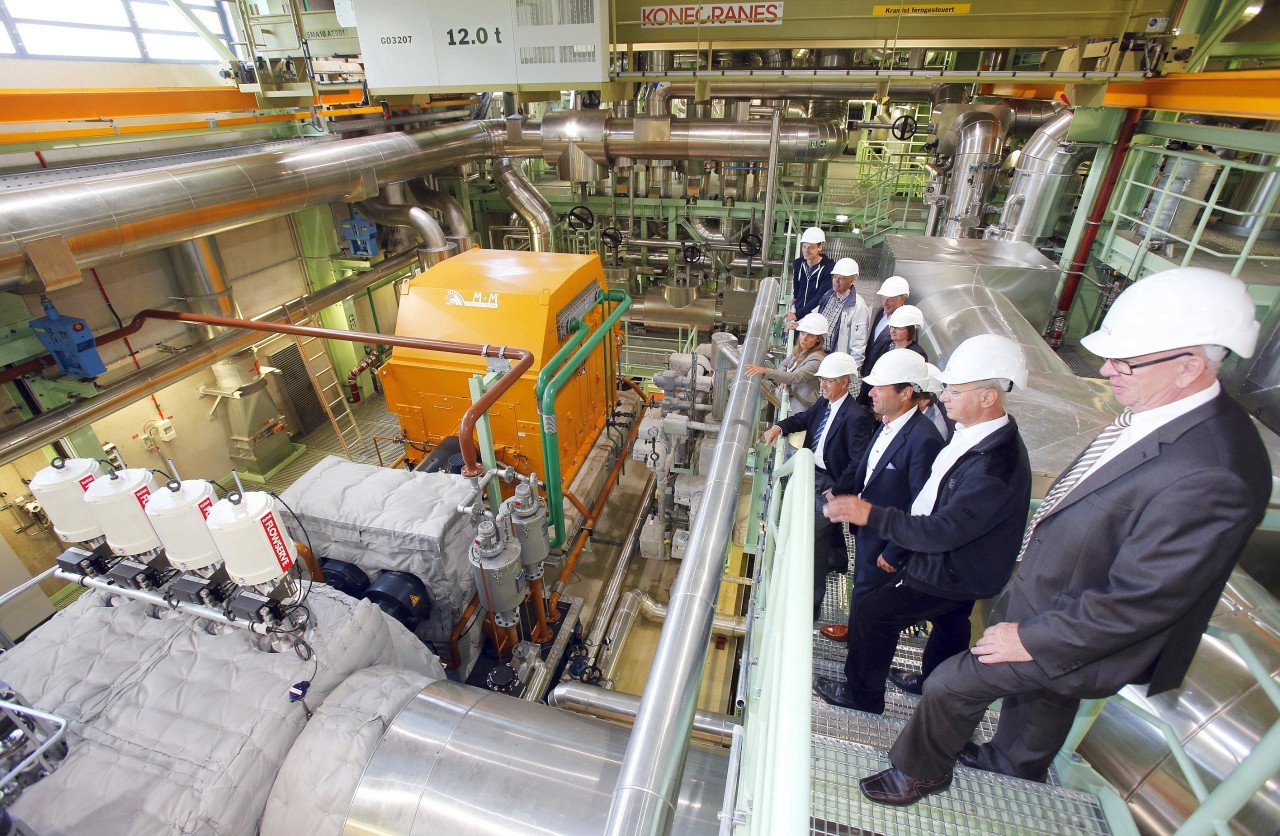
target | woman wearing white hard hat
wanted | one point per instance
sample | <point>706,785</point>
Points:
<point>810,273</point>
<point>798,370</point>
<point>904,329</point>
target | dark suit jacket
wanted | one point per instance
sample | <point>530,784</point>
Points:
<point>847,437</point>
<point>1120,579</point>
<point>898,477</point>
<point>967,547</point>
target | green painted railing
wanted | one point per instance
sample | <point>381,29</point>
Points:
<point>551,380</point>
<point>772,795</point>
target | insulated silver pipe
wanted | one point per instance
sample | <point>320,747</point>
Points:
<point>528,203</point>
<point>620,707</point>
<point>1045,168</point>
<point>636,603</point>
<point>979,139</point>
<point>770,180</point>
<point>455,218</point>
<point>30,436</point>
<point>106,219</point>
<point>645,798</point>
<point>836,87</point>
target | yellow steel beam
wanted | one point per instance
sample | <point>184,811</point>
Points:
<point>1253,94</point>
<point>58,105</point>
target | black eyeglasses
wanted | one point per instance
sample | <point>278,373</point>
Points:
<point>1125,367</point>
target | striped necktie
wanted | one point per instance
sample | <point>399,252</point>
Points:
<point>1073,476</point>
<point>822,427</point>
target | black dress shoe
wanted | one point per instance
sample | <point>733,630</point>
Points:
<point>912,683</point>
<point>900,789</point>
<point>836,693</point>
<point>986,758</point>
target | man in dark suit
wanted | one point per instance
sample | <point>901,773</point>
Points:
<point>892,471</point>
<point>963,527</point>
<point>1123,564</point>
<point>893,294</point>
<point>837,431</point>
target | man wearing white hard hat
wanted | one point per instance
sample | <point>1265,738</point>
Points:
<point>963,528</point>
<point>798,372</point>
<point>892,471</point>
<point>893,294</point>
<point>848,315</point>
<point>1124,561</point>
<point>810,273</point>
<point>837,431</point>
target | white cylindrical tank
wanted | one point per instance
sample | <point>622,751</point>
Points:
<point>178,512</point>
<point>118,502</point>
<point>252,539</point>
<point>60,488</point>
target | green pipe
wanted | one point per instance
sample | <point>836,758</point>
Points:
<point>547,402</point>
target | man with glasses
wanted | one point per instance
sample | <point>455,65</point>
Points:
<point>1124,561</point>
<point>962,530</point>
<point>837,430</point>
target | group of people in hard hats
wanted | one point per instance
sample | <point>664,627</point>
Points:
<point>1112,580</point>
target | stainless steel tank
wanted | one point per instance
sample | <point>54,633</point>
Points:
<point>460,760</point>
<point>1172,208</point>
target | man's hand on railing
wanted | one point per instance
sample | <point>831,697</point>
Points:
<point>771,435</point>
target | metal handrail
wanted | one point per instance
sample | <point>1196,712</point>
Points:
<point>771,795</point>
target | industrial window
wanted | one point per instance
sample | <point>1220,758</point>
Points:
<point>135,30</point>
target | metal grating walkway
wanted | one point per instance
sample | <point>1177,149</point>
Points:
<point>848,745</point>
<point>977,804</point>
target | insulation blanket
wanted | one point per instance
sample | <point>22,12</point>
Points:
<point>380,519</point>
<point>314,790</point>
<point>178,728</point>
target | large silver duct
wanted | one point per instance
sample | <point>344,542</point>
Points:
<point>427,228</point>
<point>975,141</point>
<point>809,88</point>
<point>646,797</point>
<point>462,760</point>
<point>1219,714</point>
<point>203,278</point>
<point>1046,167</point>
<point>30,436</point>
<point>100,220</point>
<point>604,139</point>
<point>527,202</point>
<point>109,218</point>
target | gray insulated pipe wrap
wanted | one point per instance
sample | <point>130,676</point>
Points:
<point>528,203</point>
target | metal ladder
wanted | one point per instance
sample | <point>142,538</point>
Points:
<point>324,379</point>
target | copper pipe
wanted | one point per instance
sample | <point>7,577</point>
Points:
<point>455,654</point>
<point>1092,225</point>
<point>588,521</point>
<point>572,561</point>
<point>541,633</point>
<point>466,429</point>
<point>636,388</point>
<point>304,552</point>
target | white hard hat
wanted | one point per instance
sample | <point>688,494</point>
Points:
<point>1177,308</point>
<point>845,267</point>
<point>931,382</point>
<point>813,235</point>
<point>906,315</point>
<point>901,365</point>
<point>837,364</point>
<point>983,357</point>
<point>813,323</point>
<point>894,286</point>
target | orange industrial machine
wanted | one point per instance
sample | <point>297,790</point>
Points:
<point>502,298</point>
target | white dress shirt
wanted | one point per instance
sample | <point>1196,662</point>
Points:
<point>886,436</point>
<point>964,440</point>
<point>1145,423</point>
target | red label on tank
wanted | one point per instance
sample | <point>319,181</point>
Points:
<point>142,493</point>
<point>86,482</point>
<point>204,506</point>
<point>277,542</point>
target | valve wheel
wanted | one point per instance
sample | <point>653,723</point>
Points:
<point>692,254</point>
<point>580,218</point>
<point>904,127</point>
<point>611,237</point>
<point>750,244</point>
